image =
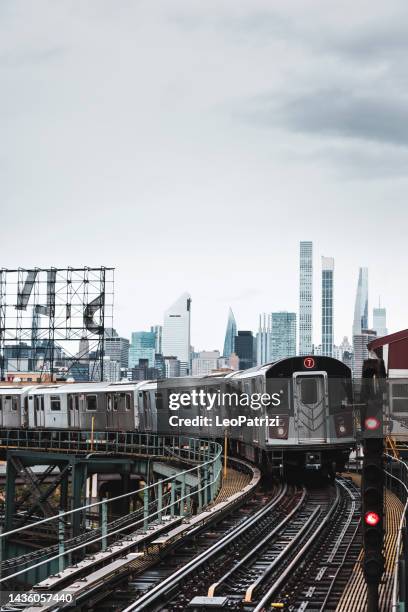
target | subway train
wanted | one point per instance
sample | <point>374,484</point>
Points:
<point>296,413</point>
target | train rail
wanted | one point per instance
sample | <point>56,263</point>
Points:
<point>87,588</point>
<point>269,560</point>
<point>315,577</point>
<point>178,586</point>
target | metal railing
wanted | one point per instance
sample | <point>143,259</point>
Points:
<point>180,494</point>
<point>402,493</point>
<point>187,448</point>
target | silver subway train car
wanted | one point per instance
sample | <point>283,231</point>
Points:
<point>308,423</point>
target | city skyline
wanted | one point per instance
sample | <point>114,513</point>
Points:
<point>109,159</point>
<point>317,339</point>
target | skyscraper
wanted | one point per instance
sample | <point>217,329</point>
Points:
<point>158,330</point>
<point>283,340</point>
<point>263,339</point>
<point>176,332</point>
<point>327,305</point>
<point>143,346</point>
<point>245,349</point>
<point>116,348</point>
<point>230,334</point>
<point>380,321</point>
<point>360,321</point>
<point>306,298</point>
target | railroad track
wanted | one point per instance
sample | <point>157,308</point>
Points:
<point>315,577</point>
<point>93,591</point>
<point>198,545</point>
<point>175,590</point>
<point>269,559</point>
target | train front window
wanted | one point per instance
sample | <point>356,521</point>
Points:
<point>91,403</point>
<point>55,402</point>
<point>308,390</point>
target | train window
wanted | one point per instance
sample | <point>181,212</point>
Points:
<point>91,403</point>
<point>308,390</point>
<point>14,404</point>
<point>36,402</point>
<point>400,390</point>
<point>55,402</point>
<point>128,401</point>
<point>159,400</point>
<point>109,403</point>
<point>400,397</point>
<point>115,402</point>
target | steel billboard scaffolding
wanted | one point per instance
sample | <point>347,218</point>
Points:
<point>48,316</point>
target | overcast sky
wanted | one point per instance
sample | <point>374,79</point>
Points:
<point>192,144</point>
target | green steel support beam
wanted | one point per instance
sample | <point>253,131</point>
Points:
<point>104,521</point>
<point>159,500</point>
<point>61,543</point>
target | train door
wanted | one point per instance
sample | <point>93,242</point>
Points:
<point>25,411</point>
<point>11,411</point>
<point>310,406</point>
<point>39,415</point>
<point>111,411</point>
<point>55,414</point>
<point>147,411</point>
<point>109,406</point>
<point>73,411</point>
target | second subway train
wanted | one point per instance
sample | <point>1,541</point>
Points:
<point>313,423</point>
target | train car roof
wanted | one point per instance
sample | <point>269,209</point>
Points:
<point>14,390</point>
<point>256,371</point>
<point>86,387</point>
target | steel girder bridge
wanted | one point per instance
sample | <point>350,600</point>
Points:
<point>52,518</point>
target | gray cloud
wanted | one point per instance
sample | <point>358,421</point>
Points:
<point>130,136</point>
<point>338,113</point>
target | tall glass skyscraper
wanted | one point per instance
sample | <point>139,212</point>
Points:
<point>142,347</point>
<point>231,332</point>
<point>327,305</point>
<point>283,340</point>
<point>263,339</point>
<point>158,331</point>
<point>380,321</point>
<point>360,321</point>
<point>176,332</point>
<point>245,349</point>
<point>306,298</point>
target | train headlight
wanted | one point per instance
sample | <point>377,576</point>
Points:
<point>342,429</point>
<point>281,431</point>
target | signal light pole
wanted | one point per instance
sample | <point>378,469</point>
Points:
<point>372,483</point>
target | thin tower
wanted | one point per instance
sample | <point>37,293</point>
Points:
<point>306,298</point>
